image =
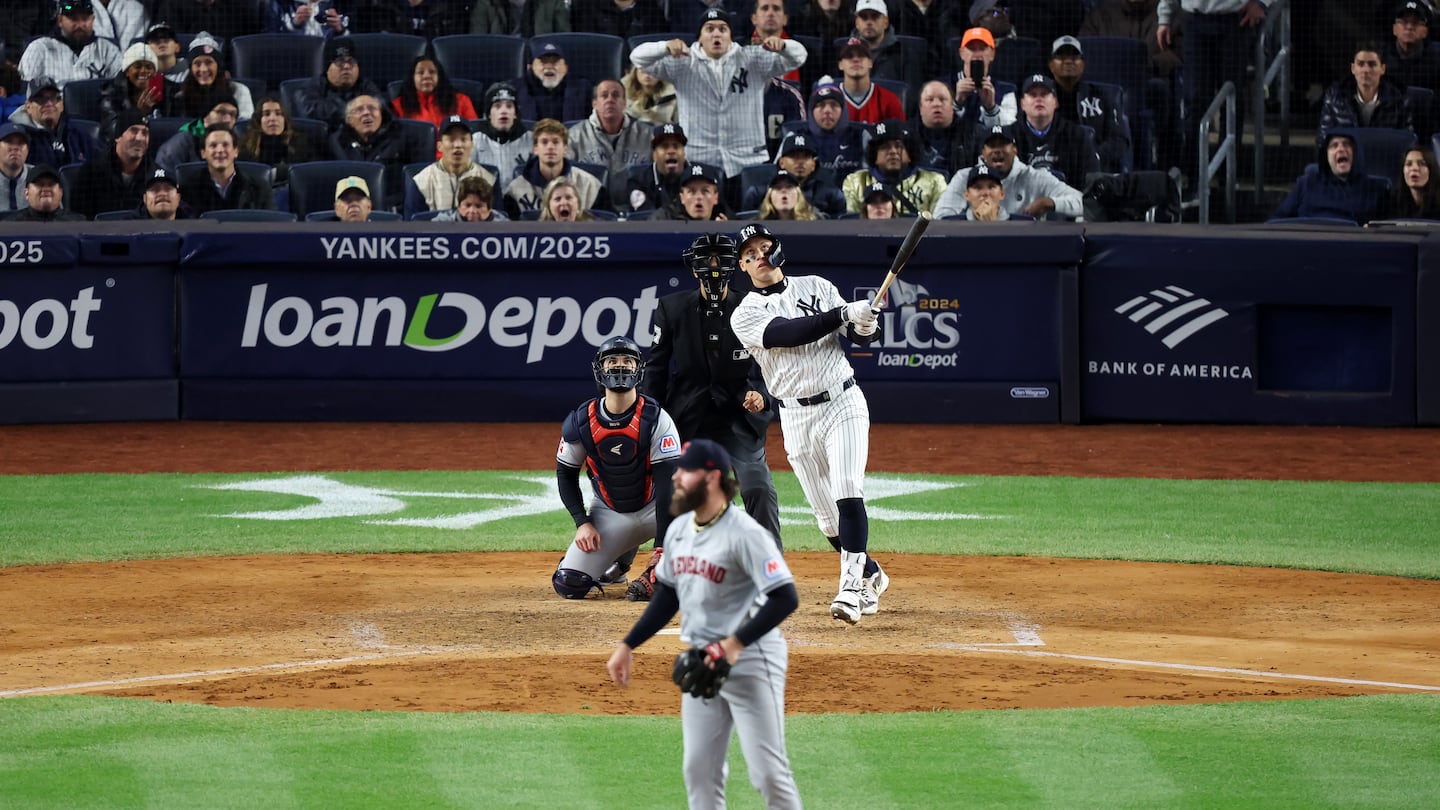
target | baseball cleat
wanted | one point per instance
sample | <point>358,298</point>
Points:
<point>870,591</point>
<point>846,607</point>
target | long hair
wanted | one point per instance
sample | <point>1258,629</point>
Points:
<point>250,144</point>
<point>804,211</point>
<point>1429,205</point>
<point>444,90</point>
<point>582,215</point>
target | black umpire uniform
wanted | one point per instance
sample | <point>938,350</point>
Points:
<point>700,372</point>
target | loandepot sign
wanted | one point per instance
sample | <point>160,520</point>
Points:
<point>336,500</point>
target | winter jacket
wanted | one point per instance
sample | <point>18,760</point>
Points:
<point>52,56</point>
<point>430,111</point>
<point>570,101</point>
<point>506,151</point>
<point>1100,109</point>
<point>182,147</point>
<point>197,103</point>
<point>100,186</point>
<point>244,191</point>
<point>317,99</point>
<point>1340,110</point>
<point>391,145</point>
<point>523,193</point>
<point>1023,185</point>
<point>434,189</point>
<point>273,152</point>
<point>1066,150</point>
<point>118,96</point>
<point>280,19</point>
<point>1319,192</point>
<point>588,144</point>
<point>646,189</point>
<point>604,17</point>
<point>31,215</point>
<point>948,149</point>
<point>841,149</point>
<point>919,189</point>
<point>820,188</point>
<point>62,147</point>
<point>1420,70</point>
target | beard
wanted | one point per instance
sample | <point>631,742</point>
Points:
<point>682,501</point>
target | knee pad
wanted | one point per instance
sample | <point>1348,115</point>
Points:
<point>573,584</point>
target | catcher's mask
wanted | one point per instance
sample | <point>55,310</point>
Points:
<point>617,380</point>
<point>776,257</point>
<point>712,258</point>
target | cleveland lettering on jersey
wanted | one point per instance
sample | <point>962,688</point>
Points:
<point>699,566</point>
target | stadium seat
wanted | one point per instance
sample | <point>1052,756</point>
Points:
<point>1422,104</point>
<point>68,174</point>
<point>1329,222</point>
<point>424,216</point>
<point>287,90</point>
<point>249,215</point>
<point>900,89</point>
<point>482,58</point>
<point>316,131</point>
<point>257,89</point>
<point>113,216</point>
<point>312,185</point>
<point>82,98</point>
<point>385,57</point>
<point>589,56</point>
<point>424,129</point>
<point>599,171</point>
<point>640,216</point>
<point>273,58</point>
<point>1382,150</point>
<point>89,127</point>
<point>329,216</point>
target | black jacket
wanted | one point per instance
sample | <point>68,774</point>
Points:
<point>699,371</point>
<point>392,145</point>
<point>568,102</point>
<point>1065,150</point>
<point>658,192</point>
<point>31,215</point>
<point>244,192</point>
<point>1339,110</point>
<point>1100,109</point>
<point>317,99</point>
<point>117,96</point>
<point>602,17</point>
<point>100,186</point>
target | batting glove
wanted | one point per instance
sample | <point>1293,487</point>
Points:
<point>859,312</point>
<point>866,329</point>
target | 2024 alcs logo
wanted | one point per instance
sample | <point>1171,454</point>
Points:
<point>915,319</point>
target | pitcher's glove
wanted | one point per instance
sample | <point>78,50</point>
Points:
<point>642,587</point>
<point>701,671</point>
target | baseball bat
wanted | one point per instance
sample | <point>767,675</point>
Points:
<point>917,230</point>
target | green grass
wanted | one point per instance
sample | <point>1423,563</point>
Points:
<point>74,751</point>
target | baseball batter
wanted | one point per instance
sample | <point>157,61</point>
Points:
<point>728,578</point>
<point>626,444</point>
<point>791,327</point>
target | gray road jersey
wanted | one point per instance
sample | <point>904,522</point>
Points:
<point>720,573</point>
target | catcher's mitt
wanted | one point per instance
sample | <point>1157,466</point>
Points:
<point>642,587</point>
<point>701,672</point>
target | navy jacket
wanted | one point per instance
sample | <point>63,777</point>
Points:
<point>1319,193</point>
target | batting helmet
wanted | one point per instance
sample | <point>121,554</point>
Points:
<point>776,257</point>
<point>716,247</point>
<point>616,380</point>
<point>573,584</point>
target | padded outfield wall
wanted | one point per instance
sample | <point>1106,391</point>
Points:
<point>1013,323</point>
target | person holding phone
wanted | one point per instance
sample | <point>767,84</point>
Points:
<point>140,87</point>
<point>979,99</point>
<point>311,18</point>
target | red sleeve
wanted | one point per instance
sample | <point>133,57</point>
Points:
<point>395,105</point>
<point>464,107</point>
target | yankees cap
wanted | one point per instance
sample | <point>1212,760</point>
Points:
<point>667,131</point>
<point>795,142</point>
<point>699,172</point>
<point>454,122</point>
<point>160,176</point>
<point>981,172</point>
<point>999,133</point>
<point>1037,80</point>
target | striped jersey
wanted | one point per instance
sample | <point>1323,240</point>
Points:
<point>792,372</point>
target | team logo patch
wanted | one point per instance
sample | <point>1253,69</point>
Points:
<point>669,444</point>
<point>560,451</point>
<point>740,354</point>
<point>775,568</point>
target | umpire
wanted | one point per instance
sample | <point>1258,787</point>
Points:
<point>705,379</point>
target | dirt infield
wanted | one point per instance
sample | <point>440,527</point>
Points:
<point>483,631</point>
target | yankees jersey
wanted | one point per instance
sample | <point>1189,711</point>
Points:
<point>793,371</point>
<point>619,450</point>
<point>720,572</point>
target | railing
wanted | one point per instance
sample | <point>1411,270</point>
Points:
<point>1225,155</point>
<point>1277,17</point>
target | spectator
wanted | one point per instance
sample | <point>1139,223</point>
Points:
<point>769,20</point>
<point>980,100</point>
<point>827,21</point>
<point>474,203</point>
<point>797,157</point>
<point>1368,98</point>
<point>43,197</point>
<point>120,21</point>
<point>1044,20</point>
<point>784,199</point>
<point>699,199</point>
<point>114,180</point>
<point>429,95</point>
<point>162,199</point>
<point>224,19</point>
<point>168,61</point>
<point>648,98</point>
<point>548,91</point>
<point>656,184</point>
<point>888,59</point>
<point>12,91</point>
<point>784,104</point>
<point>1027,191</point>
<point>620,18</point>
<point>610,137</point>
<point>421,18</point>
<point>867,102</point>
<point>984,195</point>
<point>947,143</point>
<point>308,18</point>
<point>994,16</point>
<point>52,139</point>
<point>560,202</point>
<point>1046,141</point>
<point>71,50</point>
<point>544,17</point>
<point>839,143</point>
<point>370,135</point>
<point>221,187</point>
<point>271,139</point>
<point>206,82</point>
<point>1336,186</point>
<point>14,150</point>
<point>1136,19</point>
<point>689,15</point>
<point>492,17</point>
<point>1088,104</point>
<point>501,140</point>
<point>1419,196</point>
<point>435,186</point>
<point>1409,58</point>
<point>137,88</point>
<point>352,200</point>
<point>327,96</point>
<point>889,158</point>
<point>729,127</point>
<point>188,144</point>
<point>879,202</point>
<point>22,21</point>
<point>547,163</point>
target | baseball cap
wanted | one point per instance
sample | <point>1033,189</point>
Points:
<point>978,173</point>
<point>890,130</point>
<point>700,172</point>
<point>1037,80</point>
<point>42,170</point>
<point>878,189</point>
<point>160,176</point>
<point>160,30</point>
<point>453,122</point>
<point>977,33</point>
<point>667,131</point>
<point>1413,7</point>
<point>795,142</point>
<point>877,6</point>
<point>340,48</point>
<point>139,52</point>
<point>826,92</point>
<point>855,44</point>
<point>783,176</point>
<point>999,133</point>
<point>40,84</point>
<point>7,129</point>
<point>71,8</point>
<point>129,118</point>
<point>350,182</point>
<point>712,13</point>
<point>550,49</point>
<point>1066,42</point>
<point>704,454</point>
